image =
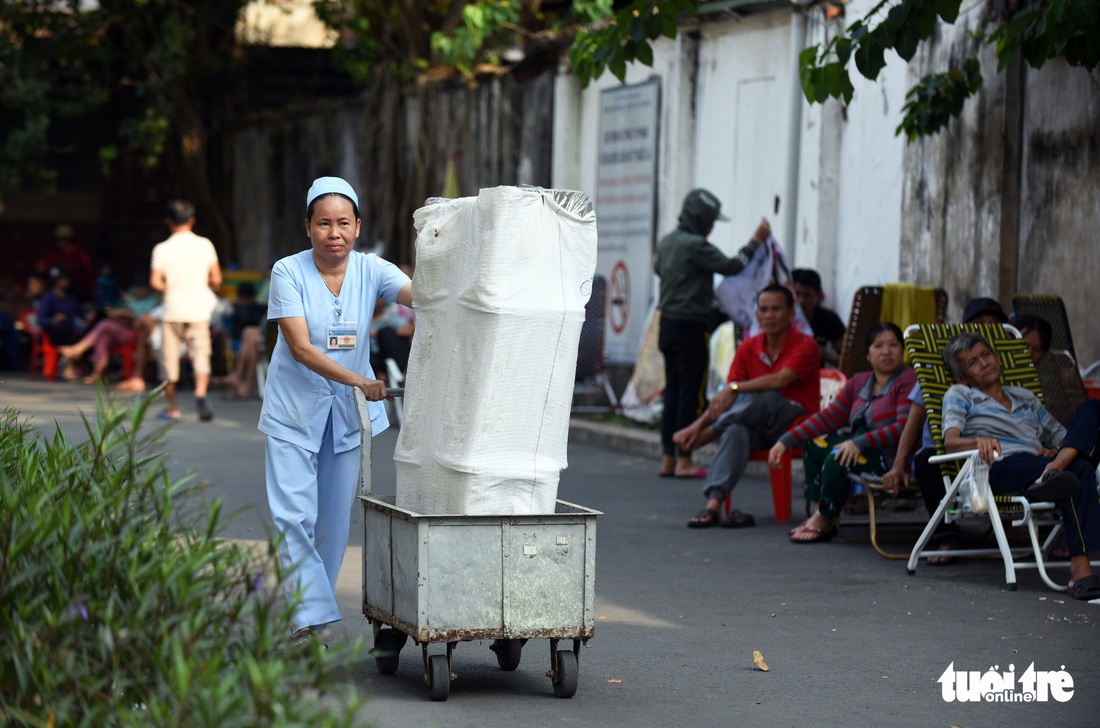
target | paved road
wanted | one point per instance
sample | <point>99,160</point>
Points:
<point>850,638</point>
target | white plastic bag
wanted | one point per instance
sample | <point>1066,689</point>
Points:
<point>974,488</point>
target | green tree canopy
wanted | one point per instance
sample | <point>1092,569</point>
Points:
<point>410,37</point>
<point>158,67</point>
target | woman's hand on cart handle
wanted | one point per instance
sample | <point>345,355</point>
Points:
<point>374,389</point>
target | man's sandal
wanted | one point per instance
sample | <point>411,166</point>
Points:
<point>1086,588</point>
<point>737,519</point>
<point>706,518</point>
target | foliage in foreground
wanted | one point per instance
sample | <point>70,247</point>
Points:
<point>114,611</point>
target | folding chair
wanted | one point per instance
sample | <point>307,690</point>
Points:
<point>1063,388</point>
<point>924,345</point>
<point>866,312</point>
<point>878,502</point>
<point>1053,310</point>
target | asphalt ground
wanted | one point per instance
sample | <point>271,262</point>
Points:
<point>850,638</point>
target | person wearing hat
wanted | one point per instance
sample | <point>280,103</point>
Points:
<point>323,299</point>
<point>686,263</point>
<point>61,317</point>
<point>75,260</point>
<point>984,311</point>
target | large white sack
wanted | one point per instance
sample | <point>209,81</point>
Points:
<point>499,291</point>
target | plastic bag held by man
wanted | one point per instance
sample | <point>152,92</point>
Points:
<point>500,287</point>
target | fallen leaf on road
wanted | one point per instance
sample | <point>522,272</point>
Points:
<point>759,660</point>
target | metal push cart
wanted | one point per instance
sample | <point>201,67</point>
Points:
<point>454,578</point>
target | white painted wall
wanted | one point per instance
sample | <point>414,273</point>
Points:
<point>850,184</point>
<point>726,106</point>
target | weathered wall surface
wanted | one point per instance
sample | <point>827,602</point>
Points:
<point>1060,193</point>
<point>1007,198</point>
<point>393,147</point>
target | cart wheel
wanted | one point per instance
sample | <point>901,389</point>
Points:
<point>439,676</point>
<point>387,649</point>
<point>566,684</point>
<point>508,653</point>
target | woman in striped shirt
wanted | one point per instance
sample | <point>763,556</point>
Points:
<point>857,433</point>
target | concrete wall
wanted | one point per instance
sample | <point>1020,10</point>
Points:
<point>729,95</point>
<point>1006,199</point>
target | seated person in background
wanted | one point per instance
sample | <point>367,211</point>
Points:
<point>928,475</point>
<point>1036,332</point>
<point>1041,459</point>
<point>62,317</point>
<point>113,331</point>
<point>856,433</point>
<point>828,328</point>
<point>774,379</point>
<point>245,324</point>
<point>984,311</point>
<point>390,337</point>
<point>141,300</point>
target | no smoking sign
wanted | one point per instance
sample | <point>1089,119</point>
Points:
<point>618,296</point>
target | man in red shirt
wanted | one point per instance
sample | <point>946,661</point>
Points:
<point>774,380</point>
<point>73,257</point>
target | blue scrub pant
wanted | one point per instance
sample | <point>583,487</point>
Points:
<point>311,495</point>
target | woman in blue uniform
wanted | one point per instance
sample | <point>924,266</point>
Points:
<point>323,299</point>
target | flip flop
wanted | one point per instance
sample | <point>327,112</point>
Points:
<point>706,518</point>
<point>820,535</point>
<point>1054,485</point>
<point>1086,589</point>
<point>737,519</point>
<point>168,415</point>
<point>697,473</point>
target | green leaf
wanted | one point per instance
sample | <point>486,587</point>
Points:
<point>668,25</point>
<point>843,50</point>
<point>906,43</point>
<point>618,68</point>
<point>645,53</point>
<point>869,57</point>
<point>948,10</point>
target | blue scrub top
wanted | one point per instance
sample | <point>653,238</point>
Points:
<point>299,403</point>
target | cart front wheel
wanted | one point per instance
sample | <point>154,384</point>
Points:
<point>439,676</point>
<point>565,686</point>
<point>387,650</point>
<point>508,653</point>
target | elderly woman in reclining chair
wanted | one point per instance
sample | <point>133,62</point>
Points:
<point>1041,459</point>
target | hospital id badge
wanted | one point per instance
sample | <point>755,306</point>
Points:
<point>341,336</point>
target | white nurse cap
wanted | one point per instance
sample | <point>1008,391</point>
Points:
<point>328,185</point>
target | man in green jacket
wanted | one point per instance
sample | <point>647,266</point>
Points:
<point>686,263</point>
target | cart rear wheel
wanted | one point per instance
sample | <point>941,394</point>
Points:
<point>566,684</point>
<point>508,653</point>
<point>387,649</point>
<point>439,676</point>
